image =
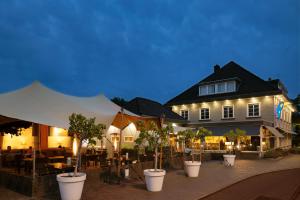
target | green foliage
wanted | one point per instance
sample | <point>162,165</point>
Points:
<point>152,136</point>
<point>235,135</point>
<point>191,135</point>
<point>295,150</point>
<point>85,128</point>
<point>275,153</point>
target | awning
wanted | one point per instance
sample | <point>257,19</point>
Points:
<point>292,132</point>
<point>251,130</point>
<point>39,104</point>
<point>274,131</point>
<point>288,131</point>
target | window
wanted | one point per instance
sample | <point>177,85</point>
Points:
<point>204,114</point>
<point>221,87</point>
<point>211,89</point>
<point>231,86</point>
<point>228,112</point>
<point>128,138</point>
<point>115,138</point>
<point>253,110</point>
<point>203,90</point>
<point>184,114</point>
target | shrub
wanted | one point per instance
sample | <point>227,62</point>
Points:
<point>275,153</point>
<point>295,150</point>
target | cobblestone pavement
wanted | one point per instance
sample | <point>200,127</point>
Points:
<point>213,176</point>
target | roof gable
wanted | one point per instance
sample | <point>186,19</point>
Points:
<point>147,107</point>
<point>248,85</point>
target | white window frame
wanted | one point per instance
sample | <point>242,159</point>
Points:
<point>225,88</point>
<point>233,115</point>
<point>187,111</point>
<point>117,136</point>
<point>208,89</point>
<point>201,114</point>
<point>234,86</point>
<point>128,136</point>
<point>259,110</point>
<point>205,87</point>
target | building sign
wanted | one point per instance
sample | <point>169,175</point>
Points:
<point>279,109</point>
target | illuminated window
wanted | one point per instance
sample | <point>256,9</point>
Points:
<point>115,138</point>
<point>228,112</point>
<point>184,114</point>
<point>253,110</point>
<point>204,114</point>
<point>128,138</point>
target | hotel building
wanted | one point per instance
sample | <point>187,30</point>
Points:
<point>232,97</point>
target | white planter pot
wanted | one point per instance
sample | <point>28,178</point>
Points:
<point>70,187</point>
<point>229,160</point>
<point>154,179</point>
<point>126,173</point>
<point>192,168</point>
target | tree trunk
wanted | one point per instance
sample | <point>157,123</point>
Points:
<point>200,152</point>
<point>193,158</point>
<point>77,158</point>
<point>156,159</point>
<point>160,157</point>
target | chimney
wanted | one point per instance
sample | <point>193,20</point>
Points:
<point>217,68</point>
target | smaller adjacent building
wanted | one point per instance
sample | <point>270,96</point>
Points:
<point>296,121</point>
<point>232,97</point>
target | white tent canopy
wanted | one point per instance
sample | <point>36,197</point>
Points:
<point>39,104</point>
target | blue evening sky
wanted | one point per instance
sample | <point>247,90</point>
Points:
<point>149,48</point>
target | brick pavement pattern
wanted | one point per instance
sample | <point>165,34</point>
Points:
<point>213,176</point>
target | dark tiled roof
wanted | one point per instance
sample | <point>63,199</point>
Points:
<point>248,85</point>
<point>147,107</point>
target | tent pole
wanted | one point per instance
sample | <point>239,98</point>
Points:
<point>34,156</point>
<point>120,143</point>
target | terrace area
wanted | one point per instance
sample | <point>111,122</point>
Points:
<point>213,176</point>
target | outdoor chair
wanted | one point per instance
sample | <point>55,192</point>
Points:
<point>19,163</point>
<point>42,166</point>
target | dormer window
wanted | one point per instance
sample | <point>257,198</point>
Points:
<point>203,90</point>
<point>221,87</point>
<point>231,86</point>
<point>211,89</point>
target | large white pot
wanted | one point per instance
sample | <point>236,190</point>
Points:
<point>192,168</point>
<point>70,187</point>
<point>229,159</point>
<point>154,179</point>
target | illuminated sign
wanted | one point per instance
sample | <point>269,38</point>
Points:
<point>279,109</point>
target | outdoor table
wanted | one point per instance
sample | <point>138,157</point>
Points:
<point>55,159</point>
<point>61,167</point>
<point>28,164</point>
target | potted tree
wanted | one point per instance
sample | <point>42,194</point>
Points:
<point>83,129</point>
<point>232,137</point>
<point>190,136</point>
<point>153,136</point>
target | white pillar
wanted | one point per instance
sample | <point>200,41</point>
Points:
<point>261,142</point>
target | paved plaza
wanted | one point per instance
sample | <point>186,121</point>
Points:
<point>213,177</point>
